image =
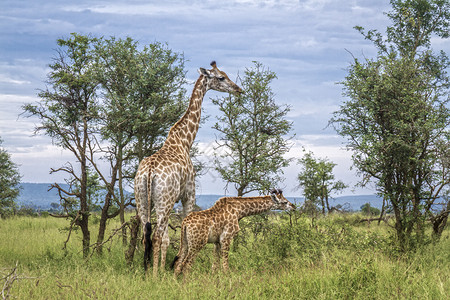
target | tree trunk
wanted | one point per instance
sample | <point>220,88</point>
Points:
<point>418,220</point>
<point>400,228</point>
<point>328,204</point>
<point>102,223</point>
<point>106,205</point>
<point>383,208</point>
<point>323,205</point>
<point>84,205</point>
<point>440,221</point>
<point>84,225</point>
<point>121,198</point>
<point>134,233</point>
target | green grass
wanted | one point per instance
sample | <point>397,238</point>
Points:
<point>332,258</point>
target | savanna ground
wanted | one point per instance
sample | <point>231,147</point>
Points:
<point>274,257</point>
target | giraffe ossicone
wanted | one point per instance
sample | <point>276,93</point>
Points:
<point>168,176</point>
<point>218,225</point>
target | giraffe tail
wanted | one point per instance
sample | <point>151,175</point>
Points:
<point>172,266</point>
<point>148,226</point>
<point>148,245</point>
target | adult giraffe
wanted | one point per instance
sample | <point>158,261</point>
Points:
<point>168,175</point>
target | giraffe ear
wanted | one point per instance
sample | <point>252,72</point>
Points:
<point>274,198</point>
<point>204,72</point>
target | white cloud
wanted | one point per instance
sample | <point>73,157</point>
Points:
<point>6,79</point>
<point>33,25</point>
<point>6,99</point>
<point>191,7</point>
<point>35,163</point>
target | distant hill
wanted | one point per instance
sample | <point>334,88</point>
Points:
<point>353,202</point>
<point>38,196</point>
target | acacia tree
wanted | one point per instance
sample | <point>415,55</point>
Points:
<point>397,117</point>
<point>68,112</point>
<point>253,131</point>
<point>9,183</point>
<point>318,181</point>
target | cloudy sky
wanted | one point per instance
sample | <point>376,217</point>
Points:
<point>305,42</point>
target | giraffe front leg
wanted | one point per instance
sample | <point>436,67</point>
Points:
<point>224,249</point>
<point>189,200</point>
<point>225,242</point>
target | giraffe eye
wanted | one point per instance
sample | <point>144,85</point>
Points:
<point>221,78</point>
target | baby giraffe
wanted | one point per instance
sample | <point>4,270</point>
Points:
<point>219,224</point>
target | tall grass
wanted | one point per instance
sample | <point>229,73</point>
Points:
<point>272,258</point>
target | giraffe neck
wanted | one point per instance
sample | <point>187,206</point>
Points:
<point>184,131</point>
<point>253,206</point>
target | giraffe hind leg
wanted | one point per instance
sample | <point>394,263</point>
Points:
<point>165,242</point>
<point>157,242</point>
<point>195,243</point>
<point>180,257</point>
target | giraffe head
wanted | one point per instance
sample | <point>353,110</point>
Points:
<point>280,202</point>
<point>219,81</point>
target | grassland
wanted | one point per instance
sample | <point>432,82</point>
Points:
<point>274,257</point>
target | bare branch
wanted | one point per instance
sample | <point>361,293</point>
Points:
<point>9,277</point>
<point>70,230</point>
<point>60,189</point>
<point>115,231</point>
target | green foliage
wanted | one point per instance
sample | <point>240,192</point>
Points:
<point>24,210</point>
<point>397,116</point>
<point>143,95</point>
<point>253,132</point>
<point>370,210</point>
<point>317,180</point>
<point>9,183</point>
<point>283,241</point>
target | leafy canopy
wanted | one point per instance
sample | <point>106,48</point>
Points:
<point>253,129</point>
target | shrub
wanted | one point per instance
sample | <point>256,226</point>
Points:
<point>280,241</point>
<point>370,210</point>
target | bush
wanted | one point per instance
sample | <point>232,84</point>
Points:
<point>26,211</point>
<point>370,210</point>
<point>279,240</point>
